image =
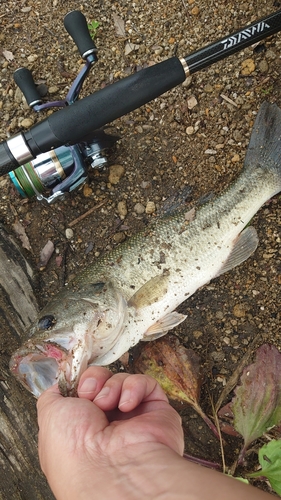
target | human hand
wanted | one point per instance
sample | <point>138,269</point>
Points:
<point>93,440</point>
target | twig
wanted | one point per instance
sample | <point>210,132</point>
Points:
<point>220,436</point>
<point>83,216</point>
<point>227,99</point>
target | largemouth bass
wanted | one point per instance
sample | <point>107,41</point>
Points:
<point>131,293</point>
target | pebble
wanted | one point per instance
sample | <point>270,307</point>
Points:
<point>26,123</point>
<point>18,95</point>
<point>195,11</point>
<point>235,158</point>
<point>189,130</point>
<point>208,88</point>
<point>187,82</point>
<point>53,89</point>
<point>197,334</point>
<point>122,208</point>
<point>263,66</point>
<point>32,58</point>
<point>69,233</point>
<point>87,190</point>
<point>239,310</point>
<point>192,102</point>
<point>119,237</point>
<point>150,207</point>
<point>139,208</point>
<point>116,172</point>
<point>248,66</point>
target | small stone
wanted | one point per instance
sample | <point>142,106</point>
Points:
<point>150,207</point>
<point>26,123</point>
<point>263,66</point>
<point>26,9</point>
<point>219,315</point>
<point>208,88</point>
<point>139,208</point>
<point>53,89</point>
<point>192,102</point>
<point>32,58</point>
<point>239,310</point>
<point>189,130</point>
<point>235,158</point>
<point>18,95</point>
<point>115,173</point>
<point>195,11</point>
<point>187,82</point>
<point>248,66</point>
<point>87,190</point>
<point>69,233</point>
<point>122,208</point>
<point>119,237</point>
<point>197,334</point>
<point>158,50</point>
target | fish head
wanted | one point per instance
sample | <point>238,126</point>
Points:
<point>73,331</point>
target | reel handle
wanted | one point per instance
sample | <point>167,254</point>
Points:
<point>24,80</point>
<point>76,25</point>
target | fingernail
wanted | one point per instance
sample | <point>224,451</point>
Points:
<point>103,393</point>
<point>89,385</point>
<point>125,397</point>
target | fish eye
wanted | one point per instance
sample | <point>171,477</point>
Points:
<point>46,322</point>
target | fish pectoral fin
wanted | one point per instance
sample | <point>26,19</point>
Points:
<point>162,326</point>
<point>152,291</point>
<point>244,246</point>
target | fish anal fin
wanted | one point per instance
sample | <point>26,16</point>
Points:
<point>245,244</point>
<point>163,325</point>
<point>152,291</point>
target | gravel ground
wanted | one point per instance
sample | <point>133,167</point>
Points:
<point>195,134</point>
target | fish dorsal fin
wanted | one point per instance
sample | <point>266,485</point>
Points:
<point>152,291</point>
<point>245,244</point>
<point>162,326</point>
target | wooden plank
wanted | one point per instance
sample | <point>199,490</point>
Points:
<point>21,477</point>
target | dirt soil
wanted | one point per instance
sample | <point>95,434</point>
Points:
<point>195,134</point>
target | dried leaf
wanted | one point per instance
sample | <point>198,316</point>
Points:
<point>45,254</point>
<point>257,402</point>
<point>270,461</point>
<point>119,25</point>
<point>176,369</point>
<point>129,47</point>
<point>20,231</point>
<point>8,55</point>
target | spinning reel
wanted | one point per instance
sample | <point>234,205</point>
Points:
<point>63,169</point>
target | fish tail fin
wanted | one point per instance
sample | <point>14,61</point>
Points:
<point>264,149</point>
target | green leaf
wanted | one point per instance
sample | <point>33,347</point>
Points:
<point>93,26</point>
<point>270,461</point>
<point>257,402</point>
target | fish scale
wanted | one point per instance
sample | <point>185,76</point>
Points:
<point>131,293</point>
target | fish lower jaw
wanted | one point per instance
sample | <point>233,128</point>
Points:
<point>44,365</point>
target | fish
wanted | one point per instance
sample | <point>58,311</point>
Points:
<point>131,293</point>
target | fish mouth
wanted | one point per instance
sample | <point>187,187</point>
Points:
<point>44,364</point>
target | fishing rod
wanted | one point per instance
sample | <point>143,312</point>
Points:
<point>55,153</point>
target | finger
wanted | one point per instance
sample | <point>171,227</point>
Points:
<point>108,398</point>
<point>92,381</point>
<point>138,389</point>
<point>127,391</point>
<point>48,399</point>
